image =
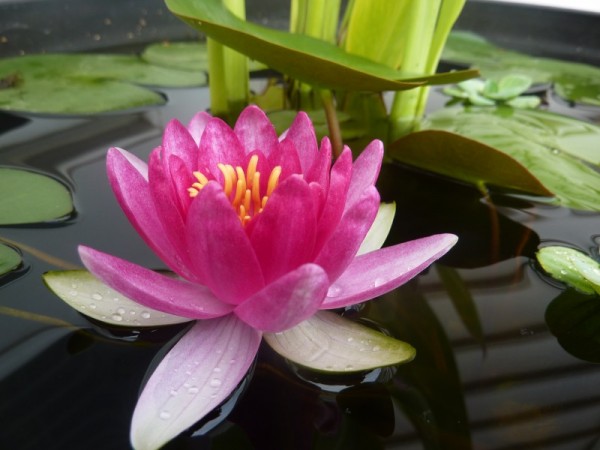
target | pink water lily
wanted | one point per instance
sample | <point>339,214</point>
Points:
<point>262,232</point>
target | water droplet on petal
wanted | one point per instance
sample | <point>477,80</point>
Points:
<point>217,369</point>
<point>165,415</point>
<point>215,382</point>
<point>173,392</point>
<point>92,305</point>
<point>378,282</point>
<point>193,390</point>
<point>97,296</point>
<point>121,311</point>
<point>376,348</point>
<point>117,317</point>
<point>145,315</point>
<point>73,293</point>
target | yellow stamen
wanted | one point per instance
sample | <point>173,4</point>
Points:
<point>242,188</point>
<point>251,169</point>
<point>273,180</point>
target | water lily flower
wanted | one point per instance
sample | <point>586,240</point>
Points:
<point>261,232</point>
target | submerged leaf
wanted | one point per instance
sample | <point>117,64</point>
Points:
<point>574,318</point>
<point>307,59</point>
<point>29,197</point>
<point>10,259</point>
<point>84,292</point>
<point>329,343</point>
<point>571,267</point>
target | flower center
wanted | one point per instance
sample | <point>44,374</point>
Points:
<point>242,188</point>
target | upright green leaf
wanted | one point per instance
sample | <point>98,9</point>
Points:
<point>29,197</point>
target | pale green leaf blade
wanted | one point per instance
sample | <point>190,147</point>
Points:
<point>379,230</point>
<point>85,293</point>
<point>29,197</point>
<point>329,343</point>
<point>10,259</point>
<point>304,58</point>
<point>571,267</point>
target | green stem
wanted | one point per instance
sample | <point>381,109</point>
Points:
<point>216,77</point>
<point>335,133</point>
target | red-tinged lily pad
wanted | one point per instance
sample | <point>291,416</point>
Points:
<point>465,159</point>
<point>547,147</point>
<point>29,197</point>
<point>307,59</point>
<point>10,259</point>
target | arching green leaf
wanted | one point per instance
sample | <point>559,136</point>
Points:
<point>302,57</point>
<point>541,143</point>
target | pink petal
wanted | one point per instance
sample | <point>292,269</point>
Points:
<point>319,171</point>
<point>340,249</point>
<point>220,248</point>
<point>365,171</point>
<point>255,131</point>
<point>287,158</point>
<point>152,289</point>
<point>128,178</point>
<point>286,302</point>
<point>219,144</point>
<point>336,197</point>
<point>378,272</point>
<point>284,234</point>
<point>302,134</point>
<point>197,125</point>
<point>177,141</point>
<point>195,377</point>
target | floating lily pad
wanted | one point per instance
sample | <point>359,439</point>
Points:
<point>178,55</point>
<point>541,142</point>
<point>304,58</point>
<point>84,292</point>
<point>29,197</point>
<point>10,259</point>
<point>329,343</point>
<point>85,84</point>
<point>575,82</point>
<point>574,318</point>
<point>571,267</point>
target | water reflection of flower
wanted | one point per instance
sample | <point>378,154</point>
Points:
<point>263,232</point>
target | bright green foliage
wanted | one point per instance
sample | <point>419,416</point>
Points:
<point>571,267</point>
<point>508,90</point>
<point>9,259</point>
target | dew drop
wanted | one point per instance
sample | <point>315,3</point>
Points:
<point>121,311</point>
<point>334,291</point>
<point>97,296</point>
<point>350,339</point>
<point>232,361</point>
<point>349,367</point>
<point>117,317</point>
<point>165,415</point>
<point>217,369</point>
<point>378,282</point>
<point>145,315</point>
<point>115,299</point>
<point>92,306</point>
<point>193,390</point>
<point>73,293</point>
<point>376,348</point>
<point>215,382</point>
<point>173,392</point>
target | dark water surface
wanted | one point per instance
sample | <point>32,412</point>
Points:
<point>509,386</point>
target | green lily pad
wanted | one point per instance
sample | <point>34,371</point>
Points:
<point>548,146</point>
<point>29,197</point>
<point>571,267</point>
<point>304,58</point>
<point>575,82</point>
<point>574,318</point>
<point>85,84</point>
<point>329,343</point>
<point>84,292</point>
<point>10,259</point>
<point>178,55</point>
